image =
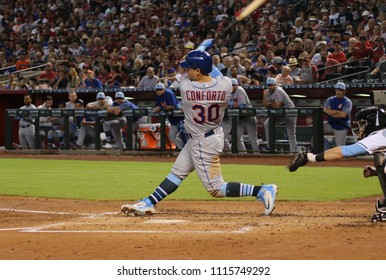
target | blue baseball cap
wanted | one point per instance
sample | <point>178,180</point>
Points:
<point>101,95</point>
<point>341,86</point>
<point>119,94</point>
<point>159,86</point>
<point>270,82</point>
<point>171,70</point>
<point>234,82</point>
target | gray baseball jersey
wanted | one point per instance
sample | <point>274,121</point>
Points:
<point>247,124</point>
<point>205,103</point>
<point>27,120</point>
<point>70,105</point>
<point>281,96</point>
<point>242,98</point>
<point>27,129</point>
<point>44,121</point>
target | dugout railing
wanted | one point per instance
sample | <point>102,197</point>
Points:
<point>12,115</point>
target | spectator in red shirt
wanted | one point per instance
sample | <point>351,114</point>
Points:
<point>97,48</point>
<point>338,53</point>
<point>23,62</point>
<point>104,73</point>
<point>332,62</point>
<point>378,50</point>
<point>362,50</point>
<point>264,45</point>
<point>49,73</point>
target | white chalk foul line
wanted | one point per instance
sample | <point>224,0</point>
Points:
<point>23,229</point>
<point>56,213</point>
<point>237,231</point>
<point>43,227</point>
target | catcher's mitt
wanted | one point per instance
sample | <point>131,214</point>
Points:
<point>299,159</point>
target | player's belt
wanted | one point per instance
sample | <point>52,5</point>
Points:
<point>24,126</point>
<point>209,133</point>
<point>206,134</point>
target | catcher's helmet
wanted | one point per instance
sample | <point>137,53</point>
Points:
<point>367,121</point>
<point>198,59</point>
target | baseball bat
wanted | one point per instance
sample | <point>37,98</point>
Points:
<point>254,5</point>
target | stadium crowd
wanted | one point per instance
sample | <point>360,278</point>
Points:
<point>98,44</point>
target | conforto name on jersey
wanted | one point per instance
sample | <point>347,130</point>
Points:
<point>197,95</point>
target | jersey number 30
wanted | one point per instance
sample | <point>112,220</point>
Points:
<point>206,114</point>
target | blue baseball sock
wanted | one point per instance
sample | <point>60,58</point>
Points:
<point>235,189</point>
<point>168,186</point>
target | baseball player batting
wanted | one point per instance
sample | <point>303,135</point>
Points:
<point>369,126</point>
<point>204,102</point>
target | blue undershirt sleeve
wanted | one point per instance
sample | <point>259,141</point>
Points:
<point>353,150</point>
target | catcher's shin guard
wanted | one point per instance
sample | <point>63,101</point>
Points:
<point>379,163</point>
<point>380,206</point>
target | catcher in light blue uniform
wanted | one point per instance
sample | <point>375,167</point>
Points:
<point>204,100</point>
<point>369,126</point>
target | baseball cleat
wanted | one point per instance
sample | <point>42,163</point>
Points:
<point>141,208</point>
<point>107,146</point>
<point>380,206</point>
<point>378,217</point>
<point>267,195</point>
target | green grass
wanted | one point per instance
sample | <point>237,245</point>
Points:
<point>127,180</point>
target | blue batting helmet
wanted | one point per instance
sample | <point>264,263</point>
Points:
<point>198,59</point>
